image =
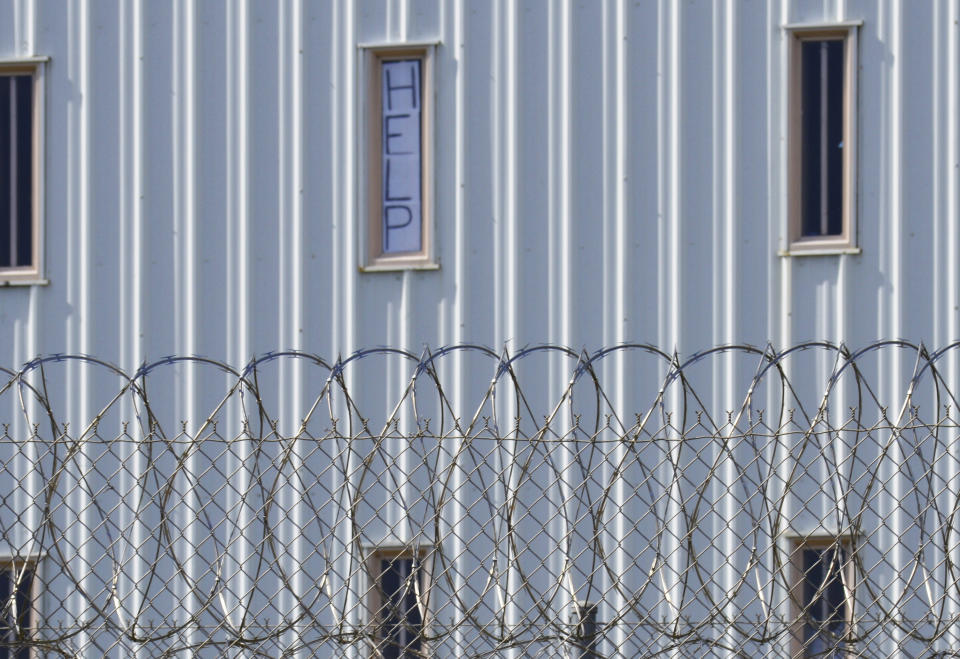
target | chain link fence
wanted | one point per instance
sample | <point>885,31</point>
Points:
<point>465,502</point>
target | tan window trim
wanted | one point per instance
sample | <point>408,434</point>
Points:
<point>374,595</point>
<point>372,256</point>
<point>846,241</point>
<point>32,274</point>
<point>798,579</point>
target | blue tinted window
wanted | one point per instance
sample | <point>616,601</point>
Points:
<point>824,602</point>
<point>401,623</point>
<point>16,608</point>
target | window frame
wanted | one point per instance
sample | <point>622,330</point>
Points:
<point>374,590</point>
<point>847,241</point>
<point>798,602</point>
<point>372,57</point>
<point>34,273</point>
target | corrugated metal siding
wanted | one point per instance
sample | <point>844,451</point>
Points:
<point>606,171</point>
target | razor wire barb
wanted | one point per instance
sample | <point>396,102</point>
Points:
<point>540,502</point>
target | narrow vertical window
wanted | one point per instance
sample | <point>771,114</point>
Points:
<point>16,171</point>
<point>17,609</point>
<point>398,175</point>
<point>823,597</point>
<point>398,604</point>
<point>585,630</point>
<point>822,140</point>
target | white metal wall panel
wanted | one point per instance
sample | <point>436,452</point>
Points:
<point>605,172</point>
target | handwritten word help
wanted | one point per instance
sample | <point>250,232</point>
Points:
<point>402,219</point>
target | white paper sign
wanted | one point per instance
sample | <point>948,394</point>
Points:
<point>402,219</point>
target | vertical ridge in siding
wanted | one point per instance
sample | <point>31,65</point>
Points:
<point>560,266</point>
<point>669,211</point>
<point>781,302</point>
<point>496,167</point>
<point>27,327</point>
<point>509,211</point>
<point>951,271</point>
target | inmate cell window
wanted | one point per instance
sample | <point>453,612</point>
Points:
<point>16,171</point>
<point>822,140</point>
<point>824,598</point>
<point>18,600</point>
<point>823,144</point>
<point>398,182</point>
<point>399,600</point>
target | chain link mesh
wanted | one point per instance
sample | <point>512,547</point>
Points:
<point>465,502</point>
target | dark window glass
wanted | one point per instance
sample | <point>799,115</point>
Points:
<point>824,602</point>
<point>7,158</point>
<point>585,627</point>
<point>822,130</point>
<point>15,612</point>
<point>401,624</point>
<point>16,171</point>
